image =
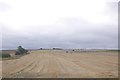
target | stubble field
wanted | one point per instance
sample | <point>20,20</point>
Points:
<point>59,64</point>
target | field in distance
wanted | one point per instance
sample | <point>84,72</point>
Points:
<point>59,64</point>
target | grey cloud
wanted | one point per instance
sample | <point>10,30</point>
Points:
<point>74,33</point>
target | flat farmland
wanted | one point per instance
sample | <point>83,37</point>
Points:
<point>59,64</point>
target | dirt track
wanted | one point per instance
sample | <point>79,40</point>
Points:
<point>58,64</point>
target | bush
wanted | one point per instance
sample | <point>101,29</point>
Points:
<point>5,55</point>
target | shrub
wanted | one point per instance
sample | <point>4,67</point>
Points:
<point>5,55</point>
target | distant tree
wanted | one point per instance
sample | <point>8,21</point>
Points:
<point>53,48</point>
<point>21,51</point>
<point>57,49</point>
<point>40,48</point>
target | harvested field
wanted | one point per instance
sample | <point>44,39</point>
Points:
<point>59,64</point>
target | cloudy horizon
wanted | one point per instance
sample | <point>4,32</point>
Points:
<point>36,24</point>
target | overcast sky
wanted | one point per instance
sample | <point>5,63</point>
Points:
<point>59,23</point>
